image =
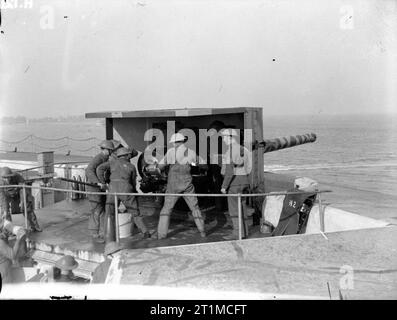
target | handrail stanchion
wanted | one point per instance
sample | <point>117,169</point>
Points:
<point>25,209</point>
<point>116,218</point>
<point>321,213</point>
<point>239,216</point>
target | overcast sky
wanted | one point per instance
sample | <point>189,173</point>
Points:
<point>290,57</point>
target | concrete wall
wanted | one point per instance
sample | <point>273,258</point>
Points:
<point>340,220</point>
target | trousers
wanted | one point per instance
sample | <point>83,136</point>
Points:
<point>131,204</point>
<point>169,203</point>
<point>233,210</point>
<point>96,221</point>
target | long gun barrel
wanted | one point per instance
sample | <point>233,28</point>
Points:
<point>270,145</point>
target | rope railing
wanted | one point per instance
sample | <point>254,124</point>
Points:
<point>53,163</point>
<point>116,194</point>
<point>276,193</point>
<point>32,143</point>
<point>49,139</point>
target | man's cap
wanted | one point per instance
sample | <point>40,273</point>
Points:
<point>177,137</point>
<point>229,132</point>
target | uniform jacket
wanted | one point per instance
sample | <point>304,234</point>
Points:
<point>91,170</point>
<point>179,160</point>
<point>122,173</point>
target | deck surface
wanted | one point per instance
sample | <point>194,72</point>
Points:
<point>362,264</point>
<point>65,228</point>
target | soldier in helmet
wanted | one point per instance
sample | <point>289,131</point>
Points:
<point>116,146</point>
<point>179,159</point>
<point>8,177</point>
<point>63,271</point>
<point>97,202</point>
<point>122,179</point>
<point>235,169</point>
<point>9,254</point>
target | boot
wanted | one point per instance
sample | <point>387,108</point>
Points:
<point>34,225</point>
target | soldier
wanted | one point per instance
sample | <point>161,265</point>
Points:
<point>97,202</point>
<point>63,271</point>
<point>235,170</point>
<point>16,193</point>
<point>116,146</point>
<point>179,181</point>
<point>10,254</point>
<point>122,179</point>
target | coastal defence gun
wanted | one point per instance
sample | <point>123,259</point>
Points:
<point>131,128</point>
<point>154,181</point>
<point>270,145</point>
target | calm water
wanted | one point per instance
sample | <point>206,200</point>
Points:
<point>356,156</point>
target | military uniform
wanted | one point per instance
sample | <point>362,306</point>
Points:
<point>122,179</point>
<point>16,194</point>
<point>179,181</point>
<point>106,173</point>
<point>235,169</point>
<point>8,254</point>
<point>97,202</point>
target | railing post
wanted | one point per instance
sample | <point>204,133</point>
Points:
<point>116,218</point>
<point>321,213</point>
<point>239,216</point>
<point>25,209</point>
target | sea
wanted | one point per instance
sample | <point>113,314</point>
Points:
<point>355,156</point>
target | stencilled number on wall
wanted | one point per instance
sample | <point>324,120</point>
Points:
<point>292,204</point>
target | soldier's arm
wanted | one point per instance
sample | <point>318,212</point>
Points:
<point>133,176</point>
<point>91,170</point>
<point>4,204</point>
<point>199,161</point>
<point>7,251</point>
<point>100,171</point>
<point>229,173</point>
<point>247,161</point>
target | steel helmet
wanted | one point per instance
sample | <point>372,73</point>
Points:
<point>67,263</point>
<point>177,137</point>
<point>112,247</point>
<point>229,132</point>
<point>116,144</point>
<point>123,151</point>
<point>106,144</point>
<point>6,172</point>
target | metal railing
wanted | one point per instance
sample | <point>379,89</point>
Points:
<point>116,194</point>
